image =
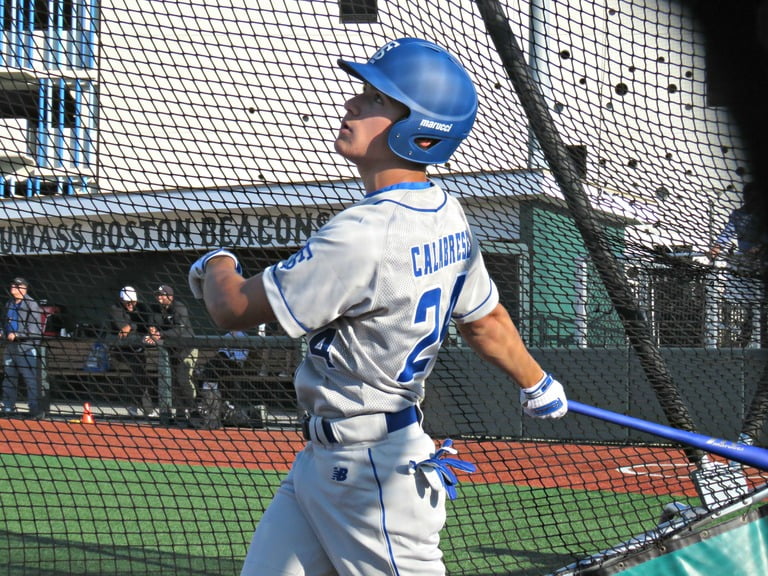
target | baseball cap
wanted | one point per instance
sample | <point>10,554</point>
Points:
<point>164,289</point>
<point>19,281</point>
<point>128,294</point>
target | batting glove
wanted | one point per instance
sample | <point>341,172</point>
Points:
<point>437,470</point>
<point>197,270</point>
<point>544,400</point>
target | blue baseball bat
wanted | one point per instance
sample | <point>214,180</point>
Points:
<point>750,455</point>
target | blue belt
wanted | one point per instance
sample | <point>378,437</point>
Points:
<point>395,421</point>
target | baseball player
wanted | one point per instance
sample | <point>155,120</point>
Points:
<point>373,292</point>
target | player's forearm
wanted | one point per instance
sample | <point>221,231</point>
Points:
<point>233,302</point>
<point>496,339</point>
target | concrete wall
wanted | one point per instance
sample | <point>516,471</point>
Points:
<point>467,396</point>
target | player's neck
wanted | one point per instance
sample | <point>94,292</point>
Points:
<point>389,177</point>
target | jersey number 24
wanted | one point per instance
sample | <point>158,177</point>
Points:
<point>425,349</point>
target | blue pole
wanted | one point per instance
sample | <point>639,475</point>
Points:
<point>29,36</point>
<point>59,121</point>
<point>77,130</point>
<point>89,125</point>
<point>44,126</point>
<point>56,30</point>
<point>89,27</point>
<point>17,30</point>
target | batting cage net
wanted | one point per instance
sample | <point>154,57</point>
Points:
<point>609,178</point>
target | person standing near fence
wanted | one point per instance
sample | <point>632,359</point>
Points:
<point>743,245</point>
<point>131,326</point>
<point>373,292</point>
<point>173,327</point>
<point>22,330</point>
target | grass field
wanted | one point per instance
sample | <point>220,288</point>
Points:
<point>86,516</point>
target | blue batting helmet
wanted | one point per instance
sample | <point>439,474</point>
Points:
<point>436,89</point>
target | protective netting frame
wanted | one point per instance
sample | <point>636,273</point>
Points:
<point>490,169</point>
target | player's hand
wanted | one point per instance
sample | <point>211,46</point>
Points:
<point>150,340</point>
<point>197,270</point>
<point>544,400</point>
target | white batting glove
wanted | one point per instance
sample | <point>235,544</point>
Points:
<point>544,400</point>
<point>197,270</point>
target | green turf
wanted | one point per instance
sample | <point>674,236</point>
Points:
<point>78,516</point>
<point>516,530</point>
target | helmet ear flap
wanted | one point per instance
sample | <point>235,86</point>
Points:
<point>410,139</point>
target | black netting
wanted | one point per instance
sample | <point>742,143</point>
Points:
<point>613,143</point>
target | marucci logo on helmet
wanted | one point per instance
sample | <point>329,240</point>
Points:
<point>441,126</point>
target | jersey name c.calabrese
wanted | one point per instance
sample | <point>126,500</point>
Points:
<point>374,291</point>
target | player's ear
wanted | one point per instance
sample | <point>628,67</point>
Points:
<point>425,143</point>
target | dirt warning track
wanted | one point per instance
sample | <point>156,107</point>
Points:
<point>640,469</point>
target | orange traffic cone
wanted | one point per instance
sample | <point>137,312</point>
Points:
<point>87,414</point>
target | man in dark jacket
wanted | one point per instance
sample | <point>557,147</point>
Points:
<point>131,324</point>
<point>173,324</point>
<point>22,330</point>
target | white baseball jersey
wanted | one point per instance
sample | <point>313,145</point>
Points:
<point>374,291</point>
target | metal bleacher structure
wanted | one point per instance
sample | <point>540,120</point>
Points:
<point>47,75</point>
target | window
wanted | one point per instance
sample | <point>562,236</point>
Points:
<point>358,11</point>
<point>504,268</point>
<point>41,13</point>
